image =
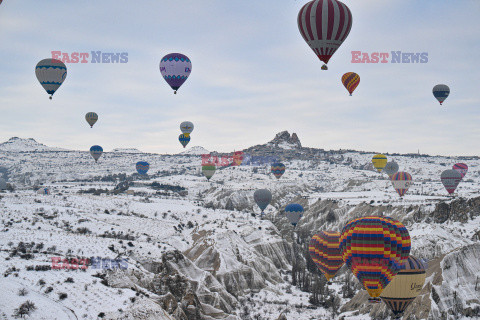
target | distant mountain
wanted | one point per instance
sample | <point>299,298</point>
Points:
<point>197,150</point>
<point>127,150</point>
<point>284,140</point>
<point>16,144</point>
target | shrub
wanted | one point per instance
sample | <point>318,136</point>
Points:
<point>22,292</point>
<point>62,295</point>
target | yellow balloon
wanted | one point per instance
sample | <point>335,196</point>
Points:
<point>379,162</point>
<point>405,287</point>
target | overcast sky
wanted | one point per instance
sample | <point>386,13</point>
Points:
<point>252,77</point>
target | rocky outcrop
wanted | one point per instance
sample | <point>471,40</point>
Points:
<point>243,261</point>
<point>285,141</point>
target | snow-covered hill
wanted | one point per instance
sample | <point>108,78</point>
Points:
<point>197,150</point>
<point>126,150</point>
<point>16,144</point>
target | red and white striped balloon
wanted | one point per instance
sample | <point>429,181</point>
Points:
<point>324,25</point>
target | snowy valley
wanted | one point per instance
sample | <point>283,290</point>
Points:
<point>196,249</point>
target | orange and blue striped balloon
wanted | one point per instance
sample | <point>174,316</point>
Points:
<point>374,248</point>
<point>350,81</point>
<point>325,251</point>
<point>278,169</point>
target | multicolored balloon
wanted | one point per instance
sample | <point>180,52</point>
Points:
<point>208,170</point>
<point>350,81</point>
<point>401,182</point>
<point>96,152</point>
<point>406,286</point>
<point>184,140</point>
<point>175,69</point>
<point>51,73</point>
<point>91,118</point>
<point>186,127</point>
<point>450,180</point>
<point>379,162</point>
<point>374,248</point>
<point>278,169</point>
<point>262,198</point>
<point>142,167</point>
<point>324,25</point>
<point>441,92</point>
<point>294,213</point>
<point>462,168</point>
<point>391,168</point>
<point>325,252</point>
<point>237,158</point>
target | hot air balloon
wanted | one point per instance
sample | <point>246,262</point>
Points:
<point>278,169</point>
<point>237,158</point>
<point>379,162</point>
<point>51,73</point>
<point>175,69</point>
<point>91,118</point>
<point>262,198</point>
<point>184,140</point>
<point>186,127</point>
<point>325,251</point>
<point>405,287</point>
<point>391,168</point>
<point>208,170</point>
<point>3,184</point>
<point>324,25</point>
<point>350,81</point>
<point>374,248</point>
<point>441,92</point>
<point>142,167</point>
<point>450,180</point>
<point>294,212</point>
<point>96,152</point>
<point>462,168</point>
<point>401,181</point>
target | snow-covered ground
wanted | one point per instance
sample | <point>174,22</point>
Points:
<point>235,259</point>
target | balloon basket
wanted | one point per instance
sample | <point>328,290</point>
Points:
<point>329,282</point>
<point>50,97</point>
<point>374,300</point>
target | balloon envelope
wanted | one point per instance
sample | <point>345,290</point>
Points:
<point>379,162</point>
<point>262,198</point>
<point>208,170</point>
<point>462,168</point>
<point>96,152</point>
<point>374,249</point>
<point>294,212</point>
<point>350,81</point>
<point>186,127</point>
<point>175,69</point>
<point>406,285</point>
<point>3,184</point>
<point>324,25</point>
<point>401,182</point>
<point>142,167</point>
<point>324,249</point>
<point>391,168</point>
<point>51,73</point>
<point>278,169</point>
<point>450,180</point>
<point>91,118</point>
<point>441,92</point>
<point>184,140</point>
